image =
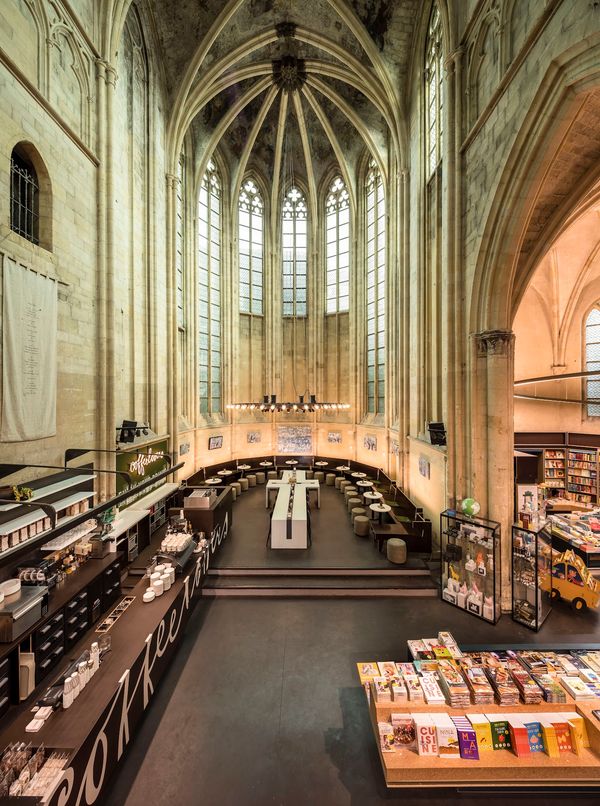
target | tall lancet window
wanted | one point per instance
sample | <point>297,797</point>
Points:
<point>592,362</point>
<point>375,251</point>
<point>294,247</point>
<point>251,252</point>
<point>209,291</point>
<point>434,92</point>
<point>337,222</point>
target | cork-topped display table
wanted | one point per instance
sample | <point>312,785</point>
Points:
<point>406,768</point>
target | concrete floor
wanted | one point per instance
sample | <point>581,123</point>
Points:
<point>261,704</point>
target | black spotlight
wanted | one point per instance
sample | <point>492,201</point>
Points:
<point>437,433</point>
<point>128,428</point>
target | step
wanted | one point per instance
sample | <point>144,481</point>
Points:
<point>346,583</point>
<point>415,568</point>
<point>315,593</point>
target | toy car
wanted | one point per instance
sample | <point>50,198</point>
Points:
<point>572,581</point>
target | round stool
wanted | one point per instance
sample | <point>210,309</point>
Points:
<point>337,482</point>
<point>349,492</point>
<point>251,480</point>
<point>343,484</point>
<point>396,550</point>
<point>352,502</point>
<point>310,474</point>
<point>355,512</point>
<point>243,482</point>
<point>272,474</point>
<point>330,479</point>
<point>237,487</point>
<point>361,526</point>
<point>260,477</point>
<point>320,476</point>
<point>233,491</point>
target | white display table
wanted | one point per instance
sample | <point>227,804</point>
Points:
<point>290,533</point>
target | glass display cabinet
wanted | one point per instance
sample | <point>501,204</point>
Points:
<point>531,574</point>
<point>470,564</point>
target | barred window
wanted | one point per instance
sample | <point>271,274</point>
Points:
<point>24,197</point>
<point>250,207</point>
<point>434,94</point>
<point>592,362</point>
<point>375,229</point>
<point>294,253</point>
<point>337,222</point>
<point>209,291</point>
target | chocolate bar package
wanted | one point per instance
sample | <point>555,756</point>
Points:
<point>427,742</point>
<point>405,737</point>
<point>519,737</point>
<point>447,736</point>
<point>467,738</point>
<point>500,731</point>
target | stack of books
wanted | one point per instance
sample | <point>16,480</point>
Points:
<point>482,692</point>
<point>504,686</point>
<point>577,688</point>
<point>551,689</point>
<point>453,685</point>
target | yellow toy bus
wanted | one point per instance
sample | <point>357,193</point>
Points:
<point>572,581</point>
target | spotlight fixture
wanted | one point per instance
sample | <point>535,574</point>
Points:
<point>270,404</point>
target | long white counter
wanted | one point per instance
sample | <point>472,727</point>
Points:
<point>292,532</point>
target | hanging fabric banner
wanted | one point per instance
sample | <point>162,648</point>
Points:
<point>29,325</point>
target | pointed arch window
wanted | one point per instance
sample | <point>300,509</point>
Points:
<point>592,361</point>
<point>209,291</point>
<point>251,248</point>
<point>294,250</point>
<point>434,92</point>
<point>337,215</point>
<point>24,196</point>
<point>376,263</point>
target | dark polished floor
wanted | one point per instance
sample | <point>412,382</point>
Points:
<point>334,544</point>
<point>261,704</point>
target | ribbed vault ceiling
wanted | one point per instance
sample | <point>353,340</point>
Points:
<point>353,58</point>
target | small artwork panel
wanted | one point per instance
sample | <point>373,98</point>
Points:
<point>334,437</point>
<point>252,437</point>
<point>370,442</point>
<point>394,447</point>
<point>214,443</point>
<point>295,439</point>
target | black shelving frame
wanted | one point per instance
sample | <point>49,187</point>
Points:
<point>531,559</point>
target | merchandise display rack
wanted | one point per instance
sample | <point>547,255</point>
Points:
<point>582,474</point>
<point>531,574</point>
<point>470,564</point>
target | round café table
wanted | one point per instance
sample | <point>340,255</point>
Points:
<point>380,509</point>
<point>243,468</point>
<point>266,464</point>
<point>359,475</point>
<point>214,480</point>
<point>342,469</point>
<point>364,483</point>
<point>224,472</point>
<point>292,462</point>
<point>321,464</point>
<point>371,496</point>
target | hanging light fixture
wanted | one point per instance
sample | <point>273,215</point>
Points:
<point>270,405</point>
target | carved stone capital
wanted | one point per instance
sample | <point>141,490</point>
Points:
<point>172,181</point>
<point>494,342</point>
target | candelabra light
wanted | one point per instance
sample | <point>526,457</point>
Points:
<point>270,404</point>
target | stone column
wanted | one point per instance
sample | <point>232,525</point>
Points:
<point>495,356</point>
<point>172,369</point>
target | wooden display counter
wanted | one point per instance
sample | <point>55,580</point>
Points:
<point>406,768</point>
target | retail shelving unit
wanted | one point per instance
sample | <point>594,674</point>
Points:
<point>582,474</point>
<point>554,468</point>
<point>470,568</point>
<point>531,574</point>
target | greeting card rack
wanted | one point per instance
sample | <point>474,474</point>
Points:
<point>470,567</point>
<point>531,574</point>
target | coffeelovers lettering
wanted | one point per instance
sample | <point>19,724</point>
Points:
<point>142,461</point>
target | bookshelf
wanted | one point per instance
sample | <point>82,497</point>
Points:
<point>554,468</point>
<point>582,475</point>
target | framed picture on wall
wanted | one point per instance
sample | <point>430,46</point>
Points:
<point>370,442</point>
<point>334,437</point>
<point>252,437</point>
<point>214,443</point>
<point>294,439</point>
<point>394,447</point>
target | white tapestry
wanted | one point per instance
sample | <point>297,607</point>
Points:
<point>29,325</point>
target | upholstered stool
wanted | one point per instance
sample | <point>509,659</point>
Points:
<point>330,479</point>
<point>251,480</point>
<point>237,487</point>
<point>310,474</point>
<point>272,474</point>
<point>355,511</point>
<point>344,483</point>
<point>352,502</point>
<point>361,526</point>
<point>396,550</point>
<point>243,482</point>
<point>320,476</point>
<point>337,482</point>
<point>260,477</point>
<point>350,492</point>
<point>233,491</point>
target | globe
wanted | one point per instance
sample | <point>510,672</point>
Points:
<point>470,507</point>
